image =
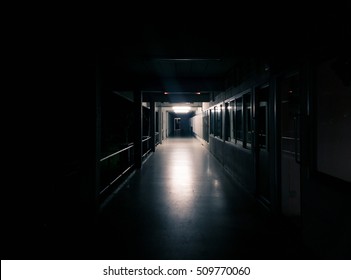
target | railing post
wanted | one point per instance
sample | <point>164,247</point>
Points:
<point>152,125</point>
<point>111,175</point>
<point>128,156</point>
<point>138,109</point>
<point>161,124</point>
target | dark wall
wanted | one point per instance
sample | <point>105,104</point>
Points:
<point>333,89</point>
<point>146,122</point>
<point>117,122</point>
<point>326,190</point>
<point>216,148</point>
<point>237,162</point>
<point>326,210</point>
<point>51,191</point>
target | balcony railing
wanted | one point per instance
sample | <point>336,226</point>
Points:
<point>115,165</point>
<point>146,145</point>
<point>157,138</point>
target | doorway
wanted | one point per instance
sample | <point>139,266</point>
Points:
<point>177,126</point>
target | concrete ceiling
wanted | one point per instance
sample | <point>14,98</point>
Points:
<point>190,53</point>
<point>170,57</point>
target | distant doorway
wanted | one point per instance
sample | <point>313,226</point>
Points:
<point>177,127</point>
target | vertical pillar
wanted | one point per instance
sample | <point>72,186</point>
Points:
<point>152,125</point>
<point>138,111</point>
<point>274,145</point>
<point>93,181</point>
<point>160,123</point>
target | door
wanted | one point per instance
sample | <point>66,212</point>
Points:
<point>289,138</point>
<point>261,148</point>
<point>177,127</point>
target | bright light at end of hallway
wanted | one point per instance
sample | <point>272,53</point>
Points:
<point>181,109</point>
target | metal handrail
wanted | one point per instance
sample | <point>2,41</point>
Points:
<point>114,166</point>
<point>148,149</point>
<point>157,138</point>
<point>146,138</point>
<point>114,180</point>
<point>116,153</point>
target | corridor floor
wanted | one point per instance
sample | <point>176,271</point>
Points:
<point>182,205</point>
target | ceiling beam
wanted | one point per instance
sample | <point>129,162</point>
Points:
<point>169,84</point>
<point>176,98</point>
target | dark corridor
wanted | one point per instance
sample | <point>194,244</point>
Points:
<point>181,205</point>
<point>264,172</point>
